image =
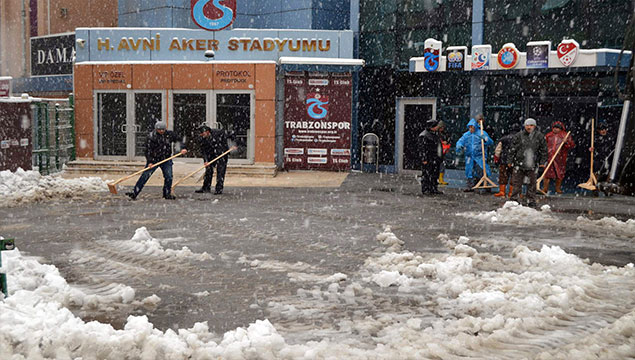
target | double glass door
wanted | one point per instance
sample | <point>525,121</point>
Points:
<point>124,120</point>
<point>230,111</point>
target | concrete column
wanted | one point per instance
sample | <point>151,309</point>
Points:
<point>477,81</point>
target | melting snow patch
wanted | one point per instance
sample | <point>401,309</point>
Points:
<point>29,186</point>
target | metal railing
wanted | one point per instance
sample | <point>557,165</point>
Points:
<point>53,134</point>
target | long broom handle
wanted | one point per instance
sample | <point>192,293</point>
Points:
<point>482,146</point>
<point>203,167</point>
<point>592,142</point>
<point>149,167</point>
<point>554,156</point>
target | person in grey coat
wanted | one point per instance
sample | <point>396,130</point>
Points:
<point>527,155</point>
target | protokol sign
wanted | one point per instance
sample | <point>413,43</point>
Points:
<point>568,51</point>
<point>480,57</point>
<point>538,54</point>
<point>508,56</point>
<point>455,58</point>
<point>213,15</point>
<point>432,54</point>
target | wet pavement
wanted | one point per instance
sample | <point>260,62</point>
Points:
<point>296,231</point>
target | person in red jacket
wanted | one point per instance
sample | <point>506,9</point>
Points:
<point>559,166</point>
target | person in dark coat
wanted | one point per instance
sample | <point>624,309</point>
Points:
<point>527,155</point>
<point>501,157</point>
<point>431,153</point>
<point>604,145</point>
<point>213,144</point>
<point>159,147</point>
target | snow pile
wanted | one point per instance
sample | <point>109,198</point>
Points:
<point>27,277</point>
<point>28,186</point>
<point>544,304</point>
<point>625,227</point>
<point>389,239</point>
<point>513,213</point>
<point>143,243</point>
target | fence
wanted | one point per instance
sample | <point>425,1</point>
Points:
<point>53,134</point>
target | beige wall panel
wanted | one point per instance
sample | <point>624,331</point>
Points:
<point>265,81</point>
<point>151,76</point>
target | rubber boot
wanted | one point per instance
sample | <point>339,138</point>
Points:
<point>441,182</point>
<point>558,184</point>
<point>509,194</point>
<point>545,186</point>
<point>501,192</point>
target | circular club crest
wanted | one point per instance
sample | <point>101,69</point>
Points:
<point>508,57</point>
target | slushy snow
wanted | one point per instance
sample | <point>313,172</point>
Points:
<point>542,304</point>
<point>29,186</point>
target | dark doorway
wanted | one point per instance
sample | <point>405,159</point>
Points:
<point>415,117</point>
<point>190,113</point>
<point>111,124</point>
<point>233,113</point>
<point>147,112</point>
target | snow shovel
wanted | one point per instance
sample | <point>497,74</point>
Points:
<point>203,167</point>
<point>593,181</point>
<point>113,186</point>
<point>550,163</point>
<point>485,182</point>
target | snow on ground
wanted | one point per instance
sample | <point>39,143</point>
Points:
<point>542,304</point>
<point>29,186</point>
<point>515,214</point>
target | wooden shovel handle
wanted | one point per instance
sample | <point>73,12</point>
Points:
<point>149,167</point>
<point>203,167</point>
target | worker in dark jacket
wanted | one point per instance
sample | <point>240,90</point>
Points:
<point>213,144</point>
<point>527,155</point>
<point>501,157</point>
<point>431,153</point>
<point>159,147</point>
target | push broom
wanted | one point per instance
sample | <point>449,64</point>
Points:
<point>593,181</point>
<point>553,158</point>
<point>202,167</point>
<point>113,186</point>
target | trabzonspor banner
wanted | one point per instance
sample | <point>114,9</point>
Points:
<point>317,121</point>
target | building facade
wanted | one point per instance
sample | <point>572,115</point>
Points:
<point>285,94</point>
<point>393,33</point>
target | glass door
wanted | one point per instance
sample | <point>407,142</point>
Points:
<point>112,124</point>
<point>233,113</point>
<point>189,112</point>
<point>148,109</point>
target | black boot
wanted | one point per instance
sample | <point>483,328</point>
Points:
<point>131,195</point>
<point>201,191</point>
<point>169,197</point>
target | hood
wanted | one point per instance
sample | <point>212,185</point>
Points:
<point>558,124</point>
<point>473,123</point>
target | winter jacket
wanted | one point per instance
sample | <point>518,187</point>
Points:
<point>471,142</point>
<point>528,150</point>
<point>214,145</point>
<point>603,153</point>
<point>559,166</point>
<point>503,146</point>
<point>159,146</point>
<point>430,149</point>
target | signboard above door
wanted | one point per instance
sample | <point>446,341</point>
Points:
<point>52,55</point>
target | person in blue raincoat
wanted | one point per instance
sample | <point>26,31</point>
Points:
<point>470,142</point>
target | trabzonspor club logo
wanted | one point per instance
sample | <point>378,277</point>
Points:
<point>317,106</point>
<point>213,14</point>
